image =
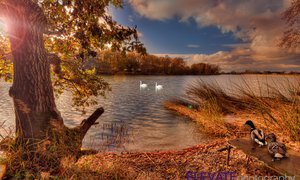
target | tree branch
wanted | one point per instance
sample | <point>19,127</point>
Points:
<point>87,123</point>
<point>55,61</point>
<point>53,32</point>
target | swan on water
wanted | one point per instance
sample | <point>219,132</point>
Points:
<point>143,85</point>
<point>158,87</point>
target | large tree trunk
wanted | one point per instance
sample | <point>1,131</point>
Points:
<point>36,115</point>
<point>32,91</point>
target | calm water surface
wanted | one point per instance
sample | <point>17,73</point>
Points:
<point>134,118</point>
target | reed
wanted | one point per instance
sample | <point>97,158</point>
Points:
<point>278,104</point>
<point>202,92</point>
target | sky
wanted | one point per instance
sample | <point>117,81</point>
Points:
<point>236,35</point>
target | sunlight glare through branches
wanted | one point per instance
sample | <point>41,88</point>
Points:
<point>2,27</point>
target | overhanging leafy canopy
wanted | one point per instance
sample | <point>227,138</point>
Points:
<point>75,31</point>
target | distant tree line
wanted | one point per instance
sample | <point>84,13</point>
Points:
<point>109,62</point>
<point>261,72</point>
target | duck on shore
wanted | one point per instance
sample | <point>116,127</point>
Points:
<point>276,149</point>
<point>257,135</point>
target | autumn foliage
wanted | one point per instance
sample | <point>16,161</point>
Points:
<point>110,62</point>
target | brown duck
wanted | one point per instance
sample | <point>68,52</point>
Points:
<point>276,149</point>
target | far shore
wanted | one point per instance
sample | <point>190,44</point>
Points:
<point>238,73</point>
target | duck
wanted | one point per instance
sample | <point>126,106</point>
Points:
<point>257,135</point>
<point>143,85</point>
<point>276,149</point>
<point>158,87</point>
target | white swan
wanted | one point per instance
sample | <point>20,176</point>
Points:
<point>158,87</point>
<point>143,85</point>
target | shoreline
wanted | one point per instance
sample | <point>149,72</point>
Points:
<point>164,164</point>
<point>175,164</point>
<point>171,164</point>
<point>234,119</point>
<point>272,74</point>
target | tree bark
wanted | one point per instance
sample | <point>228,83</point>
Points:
<point>31,91</point>
<point>36,114</point>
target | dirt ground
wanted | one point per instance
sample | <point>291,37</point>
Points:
<point>171,164</point>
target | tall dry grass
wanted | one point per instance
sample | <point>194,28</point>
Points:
<point>277,103</point>
<point>203,93</point>
<point>53,158</point>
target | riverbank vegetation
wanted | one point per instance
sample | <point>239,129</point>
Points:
<point>262,72</point>
<point>275,107</point>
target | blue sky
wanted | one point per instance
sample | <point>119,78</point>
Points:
<point>174,37</point>
<point>236,35</point>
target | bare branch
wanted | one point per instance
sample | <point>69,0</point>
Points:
<point>56,33</point>
<point>87,123</point>
<point>291,37</point>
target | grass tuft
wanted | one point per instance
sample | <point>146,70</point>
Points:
<point>278,104</point>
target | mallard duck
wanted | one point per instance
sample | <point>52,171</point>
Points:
<point>257,135</point>
<point>276,149</point>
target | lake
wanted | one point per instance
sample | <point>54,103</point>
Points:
<point>135,119</point>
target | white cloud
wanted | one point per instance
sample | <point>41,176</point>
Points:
<point>258,23</point>
<point>193,46</point>
<point>240,60</point>
<point>244,45</point>
<point>155,9</point>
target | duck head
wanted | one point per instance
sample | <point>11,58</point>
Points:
<point>271,137</point>
<point>250,124</point>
